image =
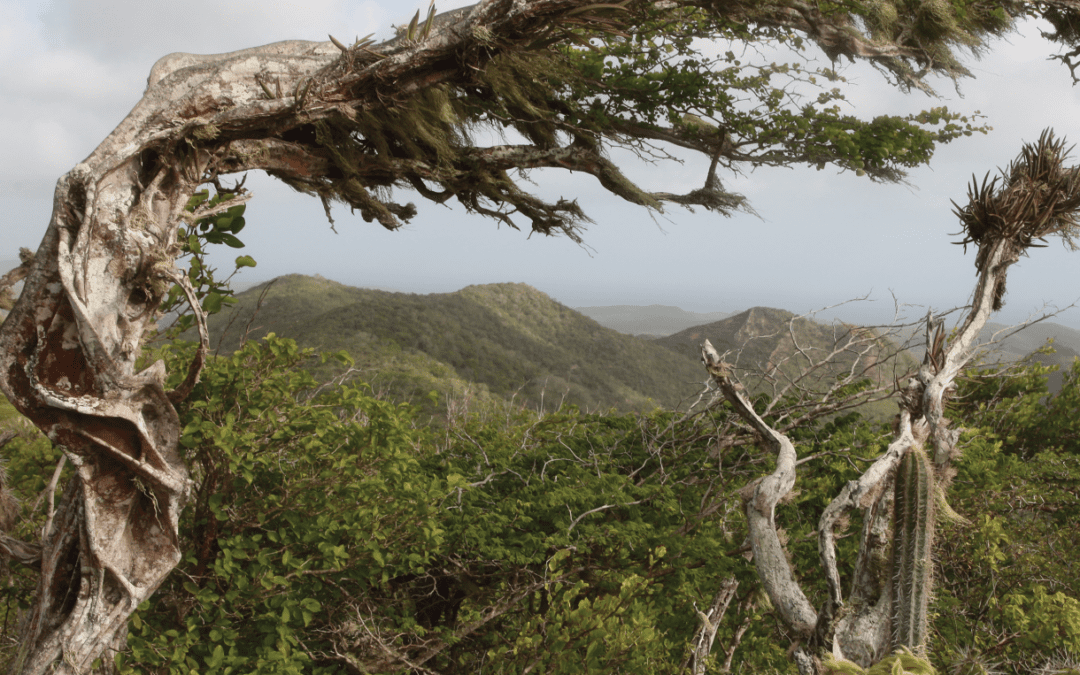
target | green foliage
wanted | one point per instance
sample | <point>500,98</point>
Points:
<point>326,522</point>
<point>1009,591</point>
<point>28,462</point>
<point>301,505</point>
<point>1019,411</point>
<point>486,342</point>
<point>332,531</point>
<point>220,228</point>
<point>662,75</point>
<point>635,75</point>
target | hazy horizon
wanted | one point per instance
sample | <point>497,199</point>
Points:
<point>860,313</point>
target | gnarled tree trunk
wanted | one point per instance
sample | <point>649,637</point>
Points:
<point>338,122</point>
<point>68,349</point>
<point>67,357</point>
<point>902,491</point>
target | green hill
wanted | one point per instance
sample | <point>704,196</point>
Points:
<point>771,346</point>
<point>511,340</point>
<point>497,342</point>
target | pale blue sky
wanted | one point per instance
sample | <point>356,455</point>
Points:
<point>73,68</point>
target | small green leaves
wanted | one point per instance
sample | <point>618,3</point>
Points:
<point>429,22</point>
<point>410,32</point>
<point>216,658</point>
<point>219,226</point>
<point>212,303</point>
<point>224,238</point>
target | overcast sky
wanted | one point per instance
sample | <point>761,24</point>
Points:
<point>74,68</point>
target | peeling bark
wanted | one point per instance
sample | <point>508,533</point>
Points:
<point>67,356</point>
<point>68,349</point>
<point>708,623</point>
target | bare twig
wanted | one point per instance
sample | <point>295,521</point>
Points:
<point>50,493</point>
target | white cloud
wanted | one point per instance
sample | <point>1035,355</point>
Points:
<point>147,30</point>
<point>59,103</point>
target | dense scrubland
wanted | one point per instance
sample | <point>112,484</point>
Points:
<point>337,530</point>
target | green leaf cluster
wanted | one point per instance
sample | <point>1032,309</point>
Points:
<point>304,501</point>
<point>27,462</point>
<point>332,531</point>
<point>745,110</point>
<point>328,521</point>
<point>1011,586</point>
<point>192,239</point>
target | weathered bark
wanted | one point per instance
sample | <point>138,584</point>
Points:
<point>68,363</point>
<point>708,623</point>
<point>759,502</point>
<point>888,606</point>
<point>68,349</point>
<point>864,630</point>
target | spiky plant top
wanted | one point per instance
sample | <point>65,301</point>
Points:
<point>1061,662</point>
<point>1038,196</point>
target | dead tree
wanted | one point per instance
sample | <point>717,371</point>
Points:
<point>903,492</point>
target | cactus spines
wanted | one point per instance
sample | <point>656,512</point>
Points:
<point>1061,663</point>
<point>913,538</point>
<point>901,662</point>
<point>968,661</point>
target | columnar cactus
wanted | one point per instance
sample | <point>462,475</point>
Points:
<point>913,523</point>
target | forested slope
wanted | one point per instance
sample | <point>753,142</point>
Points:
<point>510,340</point>
<point>770,349</point>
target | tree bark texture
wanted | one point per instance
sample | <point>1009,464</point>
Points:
<point>69,348</point>
<point>887,607</point>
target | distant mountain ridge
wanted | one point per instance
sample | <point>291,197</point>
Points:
<point>651,320</point>
<point>511,341</point>
<point>502,340</point>
<point>659,320</point>
<point>770,347</point>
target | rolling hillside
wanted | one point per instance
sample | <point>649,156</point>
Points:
<point>509,339</point>
<point>767,342</point>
